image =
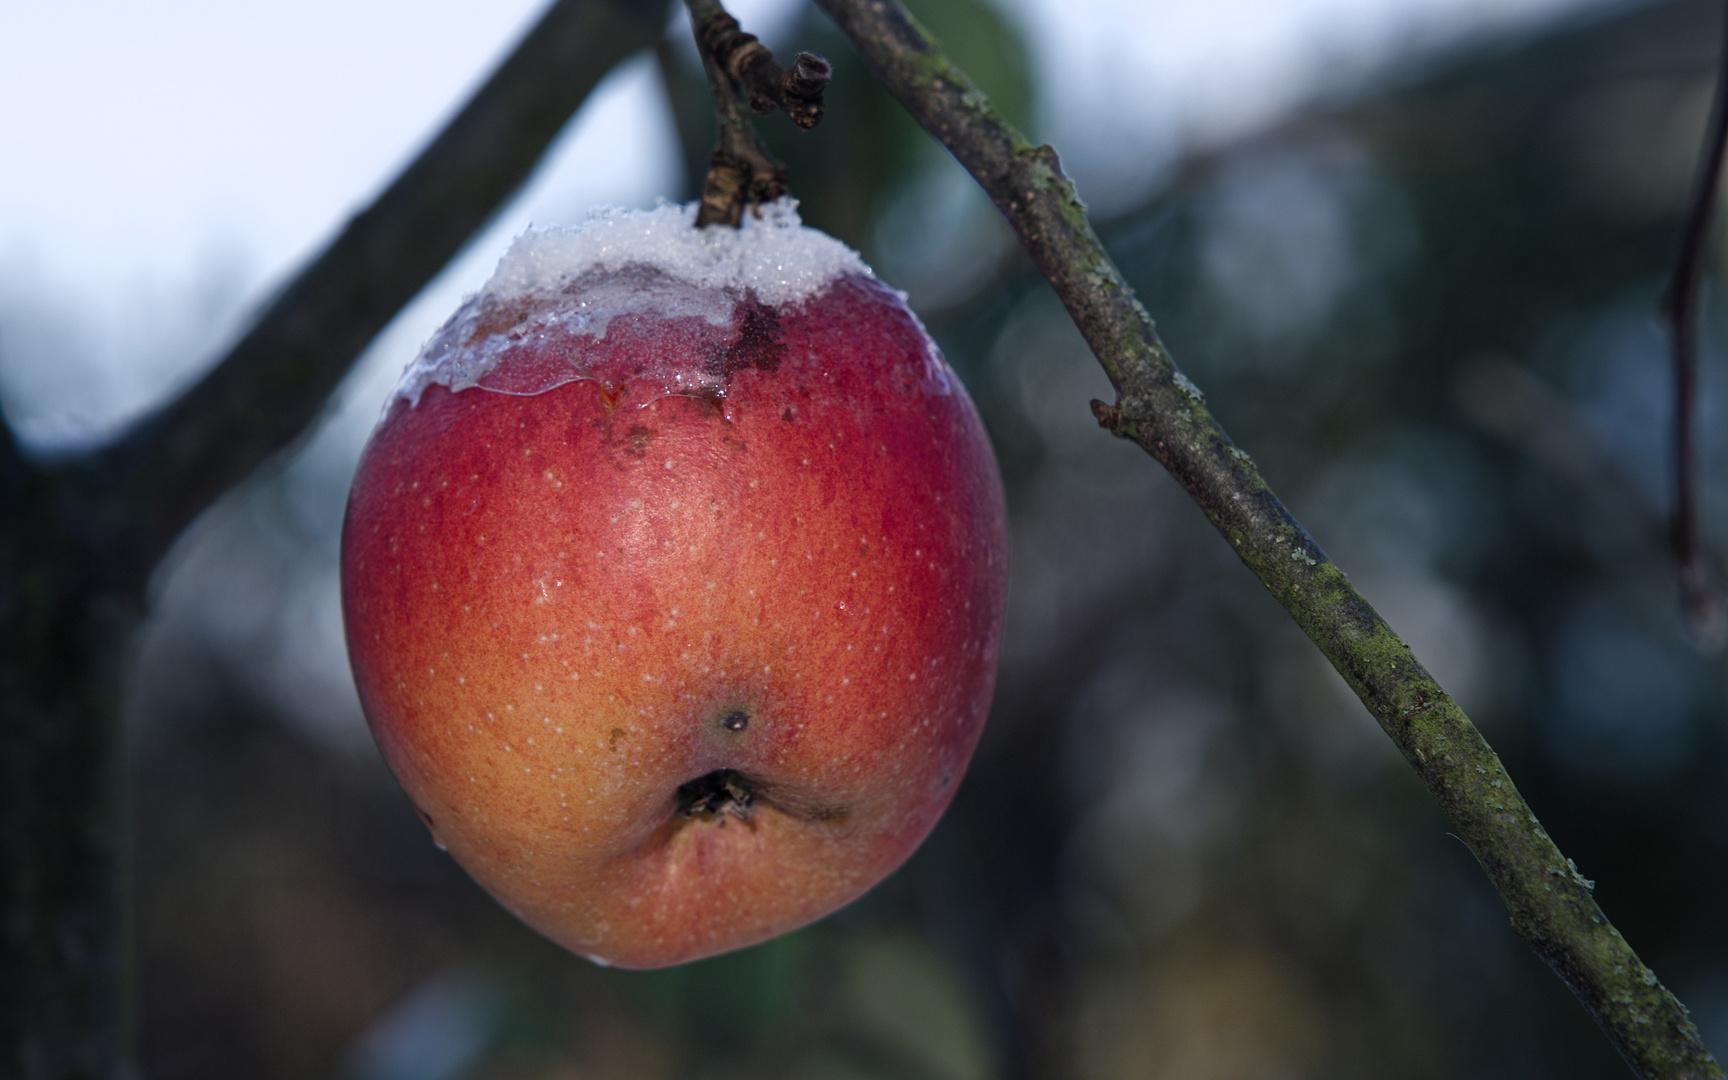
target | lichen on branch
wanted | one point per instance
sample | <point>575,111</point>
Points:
<point>1159,408</point>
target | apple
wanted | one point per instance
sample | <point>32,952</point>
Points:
<point>673,580</point>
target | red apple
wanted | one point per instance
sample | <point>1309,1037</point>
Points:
<point>678,617</point>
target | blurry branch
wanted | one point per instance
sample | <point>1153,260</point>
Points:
<point>1507,400</point>
<point>13,464</point>
<point>741,171</point>
<point>79,536</point>
<point>1160,409</point>
<point>275,381</point>
<point>1701,597</point>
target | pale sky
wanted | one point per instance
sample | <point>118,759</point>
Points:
<point>168,163</point>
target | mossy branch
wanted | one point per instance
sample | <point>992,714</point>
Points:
<point>1160,409</point>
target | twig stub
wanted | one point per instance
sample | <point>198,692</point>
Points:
<point>797,93</point>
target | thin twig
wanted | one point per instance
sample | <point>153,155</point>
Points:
<point>276,380</point>
<point>741,171</point>
<point>1160,409</point>
<point>1701,596</point>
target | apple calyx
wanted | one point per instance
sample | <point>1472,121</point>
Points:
<point>716,796</point>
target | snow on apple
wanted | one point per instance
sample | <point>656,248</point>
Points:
<point>674,579</point>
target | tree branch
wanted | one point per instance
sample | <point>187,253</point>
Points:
<point>1701,597</point>
<point>1160,409</point>
<point>265,392</point>
<point>797,93</point>
<point>741,171</point>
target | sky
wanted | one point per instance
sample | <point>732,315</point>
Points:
<point>170,164</point>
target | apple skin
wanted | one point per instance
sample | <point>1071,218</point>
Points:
<point>564,606</point>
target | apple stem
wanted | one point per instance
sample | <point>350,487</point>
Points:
<point>742,70</point>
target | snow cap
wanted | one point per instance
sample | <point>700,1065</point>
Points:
<point>773,255</point>
<point>621,263</point>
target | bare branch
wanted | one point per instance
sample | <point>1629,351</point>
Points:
<point>741,171</point>
<point>1160,409</point>
<point>768,86</point>
<point>1701,597</point>
<point>274,382</point>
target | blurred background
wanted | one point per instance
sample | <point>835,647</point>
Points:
<point>1411,249</point>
